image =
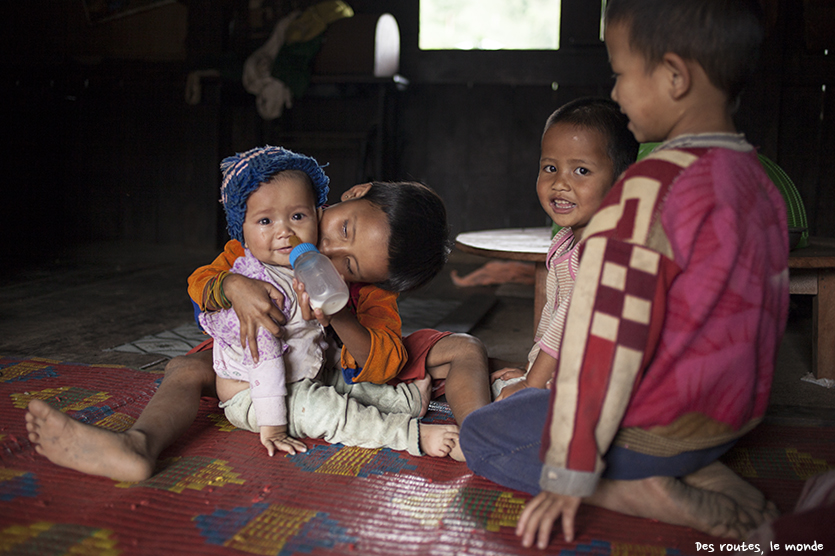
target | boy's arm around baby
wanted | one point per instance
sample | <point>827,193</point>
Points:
<point>369,328</point>
<point>254,301</point>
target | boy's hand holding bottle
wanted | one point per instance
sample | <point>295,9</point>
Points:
<point>320,289</point>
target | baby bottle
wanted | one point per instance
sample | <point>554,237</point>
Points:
<point>321,281</point>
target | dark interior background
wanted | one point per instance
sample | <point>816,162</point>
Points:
<point>99,144</point>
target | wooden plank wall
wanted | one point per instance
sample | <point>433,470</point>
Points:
<point>806,132</point>
<point>107,149</point>
<point>472,120</point>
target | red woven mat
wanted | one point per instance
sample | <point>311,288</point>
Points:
<point>217,492</point>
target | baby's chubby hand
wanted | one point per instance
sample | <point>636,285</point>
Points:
<point>512,389</point>
<point>506,374</point>
<point>276,438</point>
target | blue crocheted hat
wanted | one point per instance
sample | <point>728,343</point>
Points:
<point>244,172</point>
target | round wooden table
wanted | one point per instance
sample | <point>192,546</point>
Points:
<point>515,244</point>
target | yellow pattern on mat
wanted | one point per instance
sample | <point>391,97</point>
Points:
<point>14,372</point>
<point>740,461</point>
<point>96,542</point>
<point>506,513</point>
<point>625,549</point>
<point>117,422</point>
<point>348,461</point>
<point>192,472</point>
<point>20,401</point>
<point>805,465</point>
<point>221,422</point>
<point>269,532</point>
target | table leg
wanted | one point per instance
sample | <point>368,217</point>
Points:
<point>540,275</point>
<point>823,326</point>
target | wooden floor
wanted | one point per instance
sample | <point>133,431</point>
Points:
<point>96,297</point>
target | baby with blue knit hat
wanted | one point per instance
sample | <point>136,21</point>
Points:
<point>245,172</point>
<point>276,373</point>
<point>270,194</point>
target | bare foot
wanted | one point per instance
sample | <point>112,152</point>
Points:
<point>92,450</point>
<point>717,477</point>
<point>679,502</point>
<point>424,385</point>
<point>438,440</point>
<point>456,453</point>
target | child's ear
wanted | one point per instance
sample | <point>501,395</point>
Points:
<point>679,75</point>
<point>356,192</point>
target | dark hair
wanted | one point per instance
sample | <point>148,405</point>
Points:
<point>723,36</point>
<point>603,115</point>
<point>419,239</point>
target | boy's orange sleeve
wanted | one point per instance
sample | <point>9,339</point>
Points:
<point>377,312</point>
<point>201,277</point>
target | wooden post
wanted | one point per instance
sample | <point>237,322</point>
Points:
<point>823,323</point>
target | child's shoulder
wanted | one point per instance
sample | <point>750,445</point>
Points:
<point>701,165</point>
<point>685,150</point>
<point>235,248</point>
<point>561,244</point>
<point>667,181</point>
<point>664,161</point>
<point>364,294</point>
<point>249,266</point>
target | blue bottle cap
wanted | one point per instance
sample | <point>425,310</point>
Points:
<point>299,250</point>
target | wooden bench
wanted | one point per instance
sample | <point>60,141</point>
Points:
<point>811,272</point>
<point>515,244</point>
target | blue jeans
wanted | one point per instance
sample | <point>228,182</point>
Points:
<point>501,442</point>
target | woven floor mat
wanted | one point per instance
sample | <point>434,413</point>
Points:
<point>217,492</point>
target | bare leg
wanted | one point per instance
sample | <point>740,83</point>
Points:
<point>438,440</point>
<point>131,455</point>
<point>713,500</point>
<point>462,360</point>
<point>424,385</point>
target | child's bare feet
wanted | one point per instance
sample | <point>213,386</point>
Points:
<point>713,500</point>
<point>717,477</point>
<point>69,443</point>
<point>438,440</point>
<point>424,385</point>
<point>456,453</point>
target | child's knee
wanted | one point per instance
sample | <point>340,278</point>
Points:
<point>467,347</point>
<point>176,366</point>
<point>196,368</point>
